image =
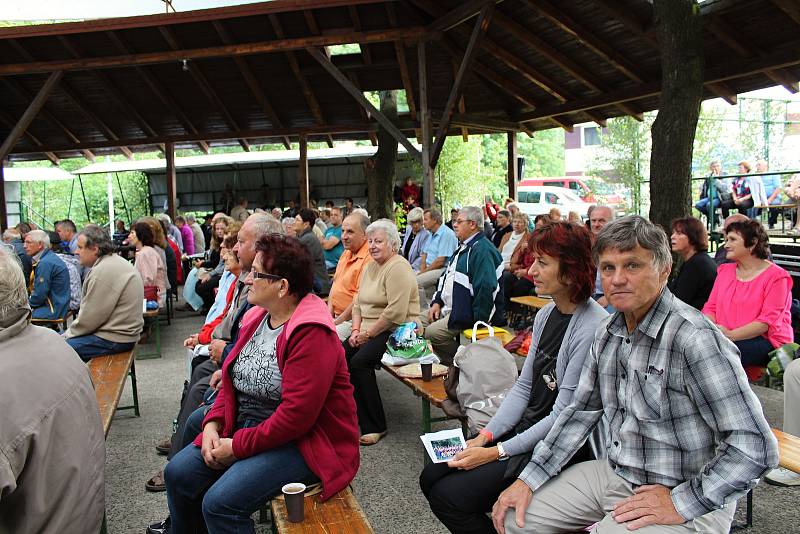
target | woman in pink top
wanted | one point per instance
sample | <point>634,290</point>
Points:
<point>751,297</point>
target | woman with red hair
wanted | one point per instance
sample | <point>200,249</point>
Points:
<point>463,491</point>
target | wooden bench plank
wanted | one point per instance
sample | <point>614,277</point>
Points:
<point>109,374</point>
<point>433,391</point>
<point>789,447</point>
<point>341,514</point>
<point>532,301</point>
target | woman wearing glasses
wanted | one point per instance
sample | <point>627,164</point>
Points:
<point>285,411</point>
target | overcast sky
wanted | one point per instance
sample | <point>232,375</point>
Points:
<point>92,9</point>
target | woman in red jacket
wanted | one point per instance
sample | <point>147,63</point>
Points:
<point>285,410</point>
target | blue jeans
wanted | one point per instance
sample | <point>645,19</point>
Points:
<point>203,499</point>
<point>90,346</point>
<point>189,294</point>
<point>754,351</point>
<point>702,207</point>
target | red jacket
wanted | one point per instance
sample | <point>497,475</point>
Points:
<point>317,410</point>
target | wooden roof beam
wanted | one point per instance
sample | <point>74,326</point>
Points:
<point>252,82</point>
<point>10,123</point>
<point>365,53</point>
<point>790,7</point>
<point>160,91</point>
<point>628,19</point>
<point>112,89</point>
<point>785,57</point>
<point>26,95</point>
<point>29,114</point>
<point>305,87</point>
<point>242,49</point>
<point>461,14</point>
<point>476,39</point>
<point>313,27</point>
<point>402,60</point>
<point>722,90</point>
<point>356,93</point>
<point>220,136</point>
<point>205,85</point>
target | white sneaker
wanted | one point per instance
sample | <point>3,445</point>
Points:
<point>783,477</point>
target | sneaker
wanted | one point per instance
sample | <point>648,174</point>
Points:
<point>783,477</point>
<point>162,527</point>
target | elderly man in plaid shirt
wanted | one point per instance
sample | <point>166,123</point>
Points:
<point>685,437</point>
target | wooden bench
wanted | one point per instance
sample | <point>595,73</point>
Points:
<point>108,376</point>
<point>531,301</point>
<point>153,315</point>
<point>341,514</point>
<point>430,392</point>
<point>59,325</point>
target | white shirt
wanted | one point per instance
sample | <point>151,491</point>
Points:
<point>508,248</point>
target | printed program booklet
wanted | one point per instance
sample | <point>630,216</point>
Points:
<point>442,446</point>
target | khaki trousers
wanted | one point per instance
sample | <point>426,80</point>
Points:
<point>791,398</point>
<point>445,342</point>
<point>426,282</point>
<point>585,494</point>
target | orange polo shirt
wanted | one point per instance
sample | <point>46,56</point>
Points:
<point>347,278</point>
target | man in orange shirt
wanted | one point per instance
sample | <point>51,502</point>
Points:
<point>348,271</point>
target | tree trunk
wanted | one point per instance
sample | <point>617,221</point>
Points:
<point>379,169</point>
<point>678,28</point>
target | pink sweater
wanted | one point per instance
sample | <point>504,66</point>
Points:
<point>766,299</point>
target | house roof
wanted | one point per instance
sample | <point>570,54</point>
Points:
<point>244,74</point>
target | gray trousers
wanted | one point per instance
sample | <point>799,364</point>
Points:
<point>791,398</point>
<point>426,282</point>
<point>585,494</point>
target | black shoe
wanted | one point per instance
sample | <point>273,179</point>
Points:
<point>162,527</point>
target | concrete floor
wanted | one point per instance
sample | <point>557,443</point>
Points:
<point>386,485</point>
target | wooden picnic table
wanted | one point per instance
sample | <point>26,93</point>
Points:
<point>430,392</point>
<point>532,301</point>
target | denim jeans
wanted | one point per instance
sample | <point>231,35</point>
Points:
<point>202,499</point>
<point>189,294</point>
<point>90,346</point>
<point>702,207</point>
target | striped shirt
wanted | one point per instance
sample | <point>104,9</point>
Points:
<point>679,409</point>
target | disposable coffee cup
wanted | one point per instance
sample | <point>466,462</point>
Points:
<point>294,494</point>
<point>427,371</point>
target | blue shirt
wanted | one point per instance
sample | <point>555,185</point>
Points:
<point>333,254</point>
<point>443,243</point>
<point>771,183</point>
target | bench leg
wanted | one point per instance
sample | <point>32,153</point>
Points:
<point>134,390</point>
<point>749,510</point>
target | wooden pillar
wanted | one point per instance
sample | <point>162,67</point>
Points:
<point>170,177</point>
<point>513,169</point>
<point>428,190</point>
<point>302,172</point>
<point>3,207</point>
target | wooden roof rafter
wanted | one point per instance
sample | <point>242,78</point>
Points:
<point>252,82</point>
<point>313,27</point>
<point>160,91</point>
<point>790,7</point>
<point>10,123</point>
<point>205,86</point>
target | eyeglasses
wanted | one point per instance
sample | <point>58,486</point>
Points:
<point>265,276</point>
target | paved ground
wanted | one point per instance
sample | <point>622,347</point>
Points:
<point>386,485</point>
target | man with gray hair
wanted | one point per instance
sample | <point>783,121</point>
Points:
<point>110,319</point>
<point>469,289</point>
<point>53,460</point>
<point>48,284</point>
<point>599,217</point>
<point>433,258</point>
<point>348,272</point>
<point>686,434</point>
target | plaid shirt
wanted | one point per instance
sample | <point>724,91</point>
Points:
<point>679,409</point>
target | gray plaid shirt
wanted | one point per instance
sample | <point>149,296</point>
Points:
<point>680,411</point>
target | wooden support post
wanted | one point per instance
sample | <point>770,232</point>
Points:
<point>30,114</point>
<point>3,207</point>
<point>478,32</point>
<point>513,170</point>
<point>356,93</point>
<point>428,191</point>
<point>302,171</point>
<point>170,177</point>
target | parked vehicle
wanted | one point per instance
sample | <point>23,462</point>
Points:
<point>573,183</point>
<point>535,200</point>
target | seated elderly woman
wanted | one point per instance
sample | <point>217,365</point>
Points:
<point>751,298</point>
<point>387,297</point>
<point>462,491</point>
<point>284,412</point>
<point>693,284</point>
<point>148,262</point>
<point>517,259</point>
<point>415,238</point>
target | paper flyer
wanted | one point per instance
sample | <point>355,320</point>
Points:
<point>442,446</point>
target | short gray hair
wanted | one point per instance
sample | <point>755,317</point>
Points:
<point>97,237</point>
<point>164,218</point>
<point>363,212</point>
<point>415,215</point>
<point>264,224</point>
<point>13,293</point>
<point>361,218</point>
<point>473,213</point>
<point>190,218</point>
<point>39,236</point>
<point>389,228</point>
<point>604,207</point>
<point>435,214</point>
<point>11,234</point>
<point>625,233</point>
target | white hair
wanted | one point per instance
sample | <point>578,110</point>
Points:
<point>473,213</point>
<point>389,228</point>
<point>39,236</point>
<point>165,218</point>
<point>415,215</point>
<point>13,293</point>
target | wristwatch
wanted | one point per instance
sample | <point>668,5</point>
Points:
<point>502,455</point>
